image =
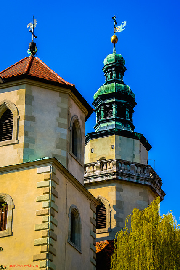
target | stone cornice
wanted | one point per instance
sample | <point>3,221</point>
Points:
<point>115,131</point>
<point>119,169</point>
<point>51,161</point>
<point>70,90</point>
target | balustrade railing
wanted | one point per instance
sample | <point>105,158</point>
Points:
<point>123,170</point>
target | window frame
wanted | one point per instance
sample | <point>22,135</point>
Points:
<point>108,215</point>
<point>75,121</point>
<point>4,105</point>
<point>7,198</point>
<point>77,243</point>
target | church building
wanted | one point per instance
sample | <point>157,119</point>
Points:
<point>56,202</point>
<point>47,216</point>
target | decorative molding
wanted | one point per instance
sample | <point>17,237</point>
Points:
<point>53,162</point>
<point>71,91</point>
<point>118,169</point>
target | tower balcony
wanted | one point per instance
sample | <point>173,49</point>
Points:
<point>122,170</point>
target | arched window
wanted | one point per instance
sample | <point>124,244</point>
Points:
<point>101,216</point>
<point>6,125</point>
<point>74,228</point>
<point>3,215</point>
<point>76,138</point>
<point>6,214</point>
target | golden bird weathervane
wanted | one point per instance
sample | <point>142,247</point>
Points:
<point>120,28</point>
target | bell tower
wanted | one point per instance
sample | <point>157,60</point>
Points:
<point>116,157</point>
<point>114,101</point>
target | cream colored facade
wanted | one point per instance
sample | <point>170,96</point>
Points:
<point>43,112</point>
<point>116,173</point>
<point>119,198</point>
<point>116,147</point>
<point>41,180</point>
<point>42,193</point>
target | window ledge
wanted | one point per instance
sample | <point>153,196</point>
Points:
<point>74,246</point>
<point>104,230</point>
<point>76,158</point>
<point>6,232</point>
<point>8,142</point>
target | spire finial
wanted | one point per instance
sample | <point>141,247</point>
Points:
<point>32,45</point>
<point>114,38</point>
<point>115,23</point>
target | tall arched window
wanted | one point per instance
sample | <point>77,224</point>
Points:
<point>76,138</point>
<point>101,216</point>
<point>6,125</point>
<point>74,227</point>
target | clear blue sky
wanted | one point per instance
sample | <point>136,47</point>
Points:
<point>73,40</point>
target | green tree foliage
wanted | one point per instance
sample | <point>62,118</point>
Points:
<point>151,243</point>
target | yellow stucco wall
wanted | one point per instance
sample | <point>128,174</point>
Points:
<point>122,198</point>
<point>43,128</point>
<point>124,148</point>
<point>21,185</point>
<point>68,257</point>
<point>13,153</point>
<point>101,148</point>
<point>27,185</point>
<point>76,165</point>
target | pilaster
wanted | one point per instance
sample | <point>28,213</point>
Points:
<point>47,198</point>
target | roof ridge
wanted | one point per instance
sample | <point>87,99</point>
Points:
<point>14,64</point>
<point>52,71</point>
<point>28,64</point>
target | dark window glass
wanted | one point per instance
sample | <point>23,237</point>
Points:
<point>98,115</point>
<point>6,126</point>
<point>74,140</point>
<point>73,228</point>
<point>108,111</point>
<point>3,215</point>
<point>100,216</point>
<point>121,112</point>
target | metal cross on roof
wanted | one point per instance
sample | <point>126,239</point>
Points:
<point>32,45</point>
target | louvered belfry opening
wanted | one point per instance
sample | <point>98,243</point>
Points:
<point>101,216</point>
<point>6,125</point>
<point>3,215</point>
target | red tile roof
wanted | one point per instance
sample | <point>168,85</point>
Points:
<point>104,251</point>
<point>32,67</point>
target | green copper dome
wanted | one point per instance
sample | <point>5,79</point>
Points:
<point>114,101</point>
<point>112,58</point>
